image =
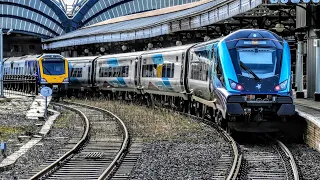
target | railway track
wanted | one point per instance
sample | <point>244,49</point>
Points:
<point>267,159</point>
<point>100,151</point>
<point>270,160</point>
<point>228,166</point>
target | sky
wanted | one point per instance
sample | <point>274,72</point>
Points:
<point>69,2</point>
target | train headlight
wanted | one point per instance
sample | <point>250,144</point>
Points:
<point>282,86</point>
<point>43,80</point>
<point>235,85</point>
<point>66,80</point>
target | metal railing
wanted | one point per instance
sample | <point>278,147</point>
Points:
<point>20,85</point>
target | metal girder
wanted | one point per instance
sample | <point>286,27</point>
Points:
<point>33,18</point>
<point>30,21</point>
<point>223,10</point>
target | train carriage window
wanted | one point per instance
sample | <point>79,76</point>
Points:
<point>76,72</point>
<point>121,71</point>
<point>100,72</point>
<point>125,71</point>
<point>149,70</point>
<point>168,70</point>
<point>199,71</point>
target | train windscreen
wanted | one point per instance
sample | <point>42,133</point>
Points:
<point>53,66</point>
<point>261,61</point>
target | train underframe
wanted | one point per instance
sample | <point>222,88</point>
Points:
<point>255,117</point>
<point>269,113</point>
<point>59,90</point>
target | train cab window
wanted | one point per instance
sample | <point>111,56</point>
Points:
<point>53,66</point>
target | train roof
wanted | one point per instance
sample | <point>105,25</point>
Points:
<point>129,54</point>
<point>174,48</point>
<point>23,58</point>
<point>32,57</point>
<point>252,34</point>
<point>82,58</point>
<point>208,42</point>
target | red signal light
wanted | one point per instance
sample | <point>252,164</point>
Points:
<point>239,87</point>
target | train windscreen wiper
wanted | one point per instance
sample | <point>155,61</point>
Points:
<point>249,71</point>
<point>47,70</point>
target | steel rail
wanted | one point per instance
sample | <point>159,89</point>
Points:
<point>125,145</point>
<point>233,173</point>
<point>49,169</point>
<point>292,161</point>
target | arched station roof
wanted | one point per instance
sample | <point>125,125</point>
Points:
<point>94,11</point>
<point>154,23</point>
<point>43,18</point>
<point>48,18</point>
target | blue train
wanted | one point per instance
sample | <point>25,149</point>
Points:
<point>241,81</point>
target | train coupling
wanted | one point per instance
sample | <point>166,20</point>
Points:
<point>247,111</point>
<point>55,88</point>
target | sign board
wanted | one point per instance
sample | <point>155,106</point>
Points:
<point>293,1</point>
<point>3,146</point>
<point>46,91</point>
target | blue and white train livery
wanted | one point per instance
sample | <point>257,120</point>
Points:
<point>239,80</point>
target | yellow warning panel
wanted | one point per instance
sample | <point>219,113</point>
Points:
<point>159,70</point>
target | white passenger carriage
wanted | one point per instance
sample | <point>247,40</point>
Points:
<point>81,73</point>
<point>26,65</point>
<point>163,71</point>
<point>117,72</point>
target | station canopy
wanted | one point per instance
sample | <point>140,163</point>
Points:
<point>218,17</point>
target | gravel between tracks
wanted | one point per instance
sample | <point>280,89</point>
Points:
<point>307,159</point>
<point>62,130</point>
<point>193,156</point>
<point>175,147</point>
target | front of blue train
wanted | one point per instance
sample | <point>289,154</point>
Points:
<point>256,65</point>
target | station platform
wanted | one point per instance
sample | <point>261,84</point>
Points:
<point>307,106</point>
<point>309,109</point>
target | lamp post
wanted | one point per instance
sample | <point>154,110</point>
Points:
<point>1,64</point>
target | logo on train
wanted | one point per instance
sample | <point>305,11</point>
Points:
<point>258,86</point>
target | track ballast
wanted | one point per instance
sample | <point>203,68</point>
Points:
<point>99,152</point>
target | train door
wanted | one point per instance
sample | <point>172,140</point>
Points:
<point>182,75</point>
<point>94,72</point>
<point>89,74</point>
<point>137,68</point>
<point>214,67</point>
